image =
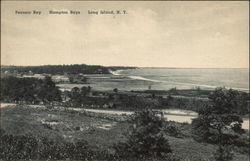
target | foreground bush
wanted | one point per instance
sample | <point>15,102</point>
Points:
<point>29,148</point>
<point>145,138</point>
<point>219,123</point>
<point>172,129</point>
<point>24,147</point>
<point>223,153</point>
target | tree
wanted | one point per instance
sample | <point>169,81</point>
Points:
<point>85,91</point>
<point>198,89</point>
<point>145,137</point>
<point>219,122</point>
<point>173,91</point>
<point>115,90</point>
<point>29,90</point>
<point>75,96</point>
<point>71,79</point>
<point>48,91</point>
<point>243,103</point>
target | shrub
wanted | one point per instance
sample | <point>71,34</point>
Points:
<point>145,138</point>
<point>26,147</point>
<point>223,153</point>
<point>173,130</point>
<point>219,122</point>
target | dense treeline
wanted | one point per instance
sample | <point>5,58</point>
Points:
<point>194,99</point>
<point>58,69</point>
<point>197,92</point>
<point>241,103</point>
<point>29,90</point>
<point>85,97</point>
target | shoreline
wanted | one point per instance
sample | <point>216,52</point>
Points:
<point>203,86</point>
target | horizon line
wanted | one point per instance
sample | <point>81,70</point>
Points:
<point>130,66</point>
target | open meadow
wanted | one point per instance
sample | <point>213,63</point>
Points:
<point>99,131</point>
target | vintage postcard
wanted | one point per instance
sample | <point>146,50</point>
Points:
<point>125,80</point>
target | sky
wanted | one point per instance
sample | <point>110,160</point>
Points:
<point>196,34</point>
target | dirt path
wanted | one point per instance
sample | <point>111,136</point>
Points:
<point>171,114</point>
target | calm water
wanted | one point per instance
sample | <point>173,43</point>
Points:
<point>166,78</point>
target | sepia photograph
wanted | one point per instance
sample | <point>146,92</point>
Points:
<point>124,81</point>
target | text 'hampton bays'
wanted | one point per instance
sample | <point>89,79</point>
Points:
<point>70,12</point>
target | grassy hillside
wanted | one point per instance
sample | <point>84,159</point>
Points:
<point>101,134</point>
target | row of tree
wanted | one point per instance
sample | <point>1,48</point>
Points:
<point>29,90</point>
<point>241,102</point>
<point>58,69</point>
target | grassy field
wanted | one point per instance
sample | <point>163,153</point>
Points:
<point>101,134</point>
